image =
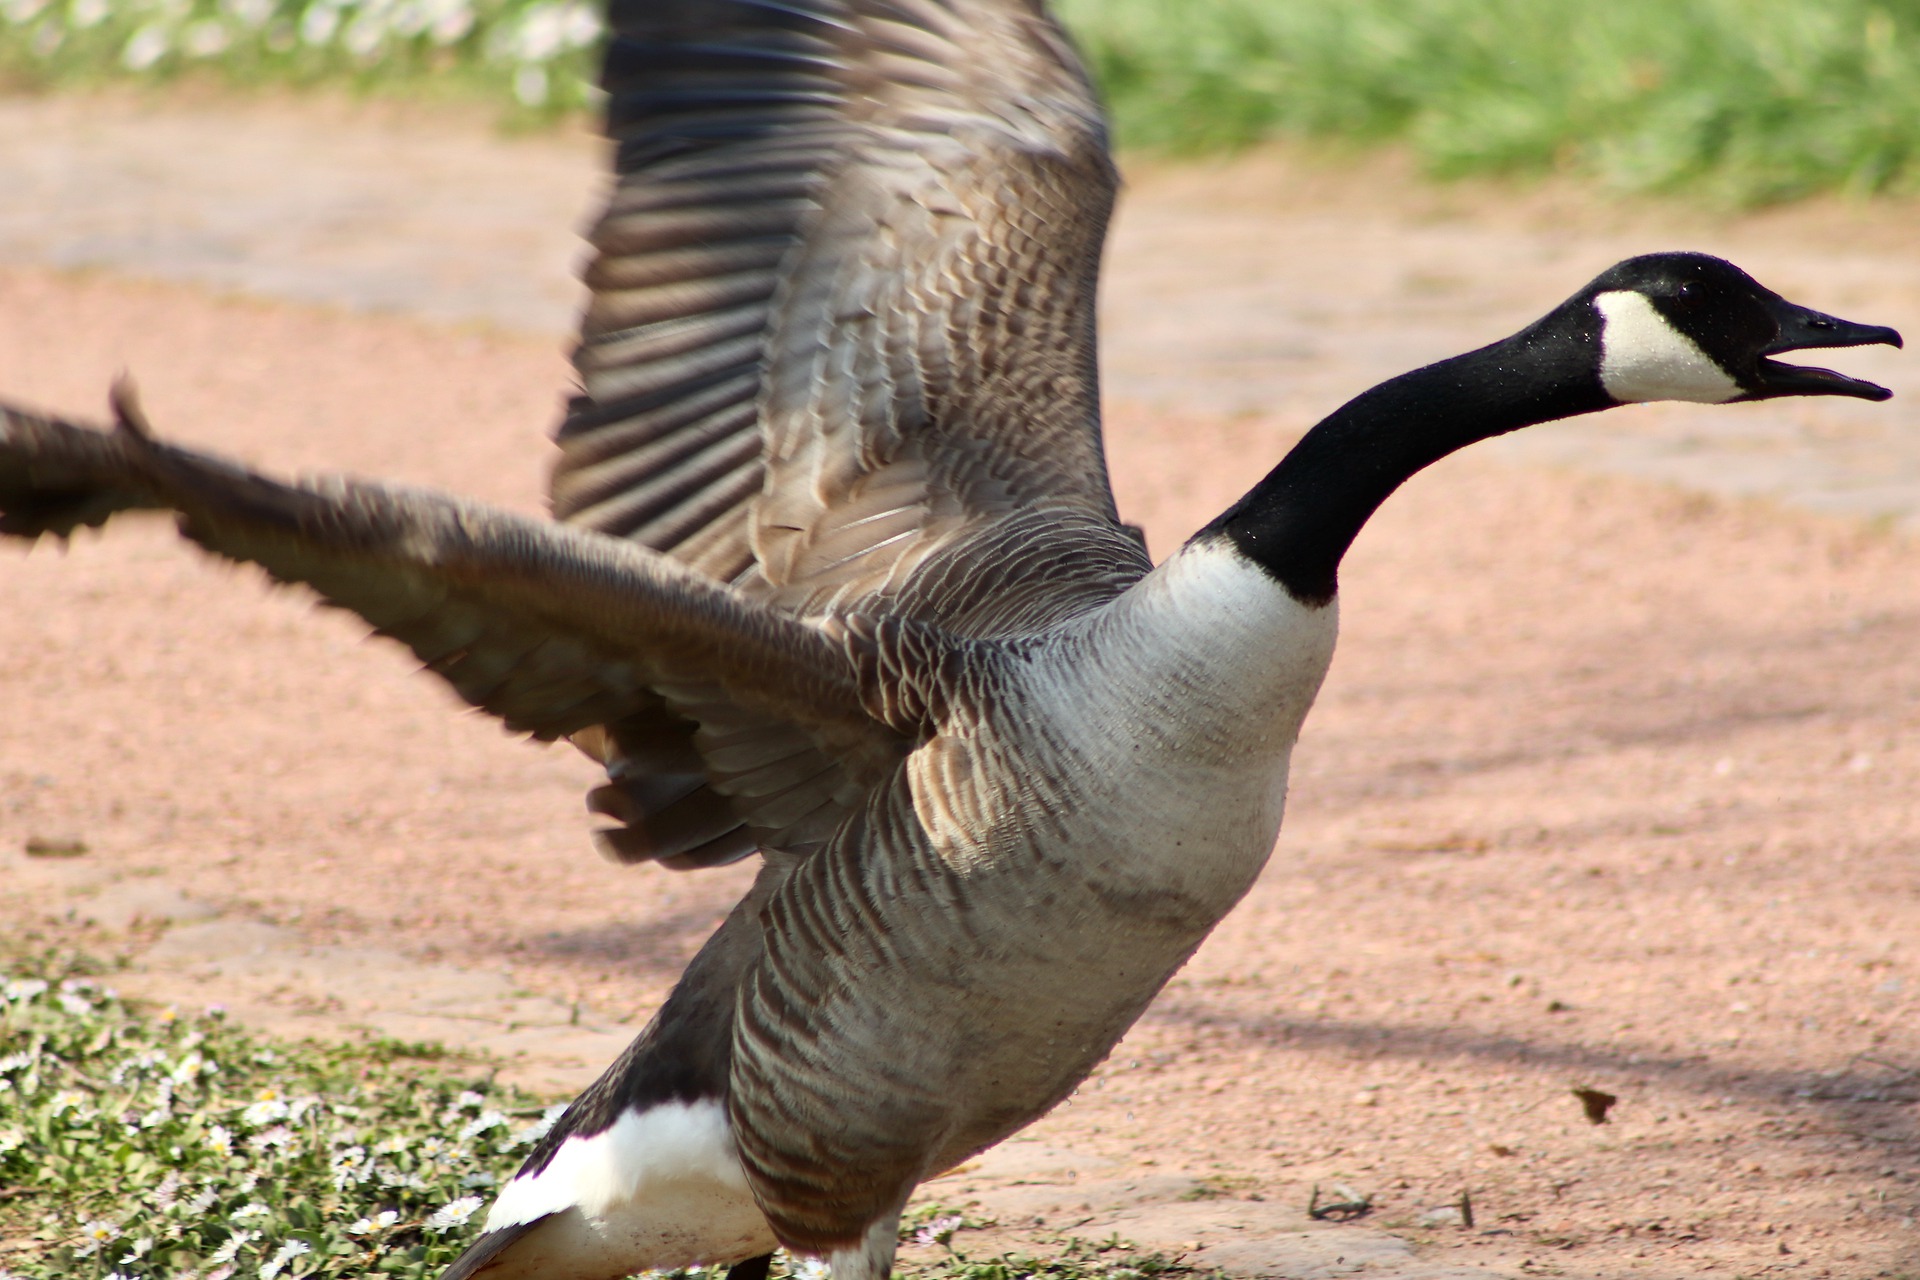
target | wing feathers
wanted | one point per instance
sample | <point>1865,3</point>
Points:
<point>635,306</point>
<point>673,530</point>
<point>883,219</point>
<point>673,362</point>
<point>553,630</point>
<point>654,229</point>
<point>648,446</point>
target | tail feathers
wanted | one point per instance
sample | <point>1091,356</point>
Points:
<point>485,1253</point>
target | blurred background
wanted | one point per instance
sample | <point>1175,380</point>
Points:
<point>1740,101</point>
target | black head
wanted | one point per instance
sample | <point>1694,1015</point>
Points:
<point>1688,326</point>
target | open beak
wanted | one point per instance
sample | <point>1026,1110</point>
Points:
<point>1801,329</point>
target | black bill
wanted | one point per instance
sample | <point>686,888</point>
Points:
<point>1801,330</point>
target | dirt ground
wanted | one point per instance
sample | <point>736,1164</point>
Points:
<point>1612,785</point>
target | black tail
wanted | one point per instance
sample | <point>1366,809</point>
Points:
<point>485,1252</point>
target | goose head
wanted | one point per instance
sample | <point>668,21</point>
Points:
<point>1663,326</point>
<point>1689,326</point>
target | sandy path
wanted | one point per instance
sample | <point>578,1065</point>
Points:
<point>1612,785</point>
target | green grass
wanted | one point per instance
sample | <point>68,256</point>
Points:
<point>139,1143</point>
<point>529,56</point>
<point>1744,101</point>
<point>167,1143</point>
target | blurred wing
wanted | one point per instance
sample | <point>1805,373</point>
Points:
<point>551,629</point>
<point>842,316</point>
<point>726,119</point>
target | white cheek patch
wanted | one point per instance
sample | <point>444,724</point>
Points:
<point>1643,357</point>
<point>644,1151</point>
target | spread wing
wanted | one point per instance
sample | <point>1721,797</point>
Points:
<point>840,344</point>
<point>842,318</point>
<point>549,628</point>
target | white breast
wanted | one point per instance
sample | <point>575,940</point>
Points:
<point>662,1187</point>
<point>1208,646</point>
<point>1179,707</point>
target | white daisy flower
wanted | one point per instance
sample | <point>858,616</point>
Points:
<point>453,1214</point>
<point>235,1243</point>
<point>480,1124</point>
<point>318,23</point>
<point>148,46</point>
<point>278,1136</point>
<point>93,1235</point>
<point>452,20</point>
<point>382,1221</point>
<point>205,39</point>
<point>264,1112</point>
<point>287,1253</point>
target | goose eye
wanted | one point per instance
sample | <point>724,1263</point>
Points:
<point>1685,292</point>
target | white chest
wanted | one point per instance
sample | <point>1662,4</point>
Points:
<point>1149,745</point>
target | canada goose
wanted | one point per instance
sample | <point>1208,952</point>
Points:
<point>838,578</point>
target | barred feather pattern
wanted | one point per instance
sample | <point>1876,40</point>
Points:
<point>892,1027</point>
<point>839,349</point>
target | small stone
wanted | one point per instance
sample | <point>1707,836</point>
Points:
<point>1595,1103</point>
<point>55,846</point>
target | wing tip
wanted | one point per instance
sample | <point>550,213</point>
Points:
<point>484,1254</point>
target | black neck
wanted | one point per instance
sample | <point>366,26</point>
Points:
<point>1299,521</point>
